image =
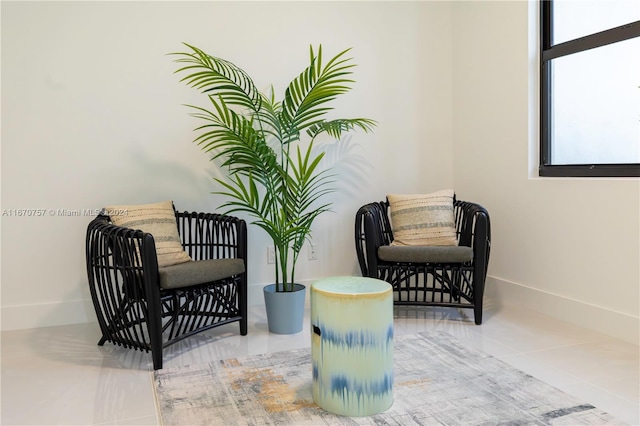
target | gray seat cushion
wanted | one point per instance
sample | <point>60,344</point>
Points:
<point>199,272</point>
<point>426,254</point>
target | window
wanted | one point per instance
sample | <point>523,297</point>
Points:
<point>590,88</point>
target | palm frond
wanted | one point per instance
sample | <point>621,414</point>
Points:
<point>231,137</point>
<point>218,77</point>
<point>335,128</point>
<point>315,86</point>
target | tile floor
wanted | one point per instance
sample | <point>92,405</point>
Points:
<point>59,376</point>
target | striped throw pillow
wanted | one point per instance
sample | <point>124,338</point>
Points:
<point>423,219</point>
<point>158,220</point>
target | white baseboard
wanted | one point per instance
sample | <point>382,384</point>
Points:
<point>604,320</point>
<point>47,314</point>
<point>500,291</point>
<point>80,311</point>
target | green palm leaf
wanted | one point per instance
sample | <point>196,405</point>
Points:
<point>306,96</point>
<point>218,77</point>
<point>335,128</point>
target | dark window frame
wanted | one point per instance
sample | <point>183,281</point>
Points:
<point>548,52</point>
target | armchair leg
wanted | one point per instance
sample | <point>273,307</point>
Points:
<point>154,325</point>
<point>156,355</point>
<point>478,296</point>
<point>478,299</point>
<point>477,313</point>
<point>242,302</point>
<point>155,339</point>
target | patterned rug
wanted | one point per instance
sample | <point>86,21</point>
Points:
<point>437,380</point>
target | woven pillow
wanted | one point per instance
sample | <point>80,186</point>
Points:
<point>423,219</point>
<point>157,219</point>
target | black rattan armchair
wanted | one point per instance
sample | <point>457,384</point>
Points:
<point>141,306</point>
<point>451,276</point>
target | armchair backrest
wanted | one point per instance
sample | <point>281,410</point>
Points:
<point>212,236</point>
<point>373,230</point>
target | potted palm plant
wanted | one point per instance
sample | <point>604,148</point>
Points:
<point>273,175</point>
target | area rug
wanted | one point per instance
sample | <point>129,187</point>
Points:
<point>437,380</point>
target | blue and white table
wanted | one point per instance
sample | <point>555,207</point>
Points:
<point>352,345</point>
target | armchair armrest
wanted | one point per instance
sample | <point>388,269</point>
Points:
<point>373,230</point>
<point>474,230</point>
<point>111,248</point>
<point>121,265</point>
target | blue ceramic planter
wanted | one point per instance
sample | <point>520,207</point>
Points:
<point>285,310</point>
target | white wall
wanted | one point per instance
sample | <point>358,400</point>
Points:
<point>92,115</point>
<point>566,247</point>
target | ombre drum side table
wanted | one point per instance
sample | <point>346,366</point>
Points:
<point>352,345</point>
